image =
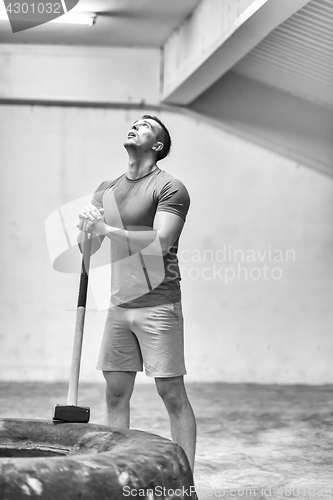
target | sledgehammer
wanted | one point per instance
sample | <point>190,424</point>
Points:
<point>71,412</point>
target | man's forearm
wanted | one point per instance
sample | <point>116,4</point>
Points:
<point>135,241</point>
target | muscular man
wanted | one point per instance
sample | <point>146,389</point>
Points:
<point>143,212</point>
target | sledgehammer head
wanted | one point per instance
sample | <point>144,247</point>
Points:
<point>72,413</point>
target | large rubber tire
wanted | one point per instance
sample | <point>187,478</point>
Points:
<point>46,460</point>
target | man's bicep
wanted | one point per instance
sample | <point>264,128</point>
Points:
<point>168,227</point>
<point>97,200</point>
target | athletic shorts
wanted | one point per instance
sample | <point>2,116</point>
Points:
<point>150,336</point>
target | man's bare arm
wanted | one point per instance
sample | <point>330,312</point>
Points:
<point>167,227</point>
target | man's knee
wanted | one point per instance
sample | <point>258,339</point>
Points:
<point>119,387</point>
<point>173,393</point>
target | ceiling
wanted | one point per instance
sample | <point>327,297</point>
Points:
<point>120,23</point>
<point>297,56</point>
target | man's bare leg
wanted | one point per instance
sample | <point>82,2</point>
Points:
<point>182,420</point>
<point>119,388</point>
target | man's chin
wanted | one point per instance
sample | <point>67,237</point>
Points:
<point>129,144</point>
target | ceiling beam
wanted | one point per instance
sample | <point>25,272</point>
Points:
<point>76,74</point>
<point>218,34</point>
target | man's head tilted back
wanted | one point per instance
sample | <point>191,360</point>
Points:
<point>163,137</point>
<point>149,134</point>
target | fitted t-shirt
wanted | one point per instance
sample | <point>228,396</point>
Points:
<point>146,277</point>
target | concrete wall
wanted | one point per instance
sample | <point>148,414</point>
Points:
<point>79,74</point>
<point>243,321</point>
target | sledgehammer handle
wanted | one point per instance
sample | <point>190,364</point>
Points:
<point>73,388</point>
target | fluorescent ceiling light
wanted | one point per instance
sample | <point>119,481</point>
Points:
<point>76,18</point>
<point>86,18</point>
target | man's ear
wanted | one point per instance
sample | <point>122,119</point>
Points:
<point>158,146</point>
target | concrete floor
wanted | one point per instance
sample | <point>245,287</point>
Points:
<point>253,441</point>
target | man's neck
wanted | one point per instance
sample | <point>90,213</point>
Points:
<point>139,167</point>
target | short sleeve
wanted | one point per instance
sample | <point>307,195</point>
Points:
<point>174,198</point>
<point>97,198</point>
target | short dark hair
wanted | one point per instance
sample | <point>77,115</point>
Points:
<point>164,137</point>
